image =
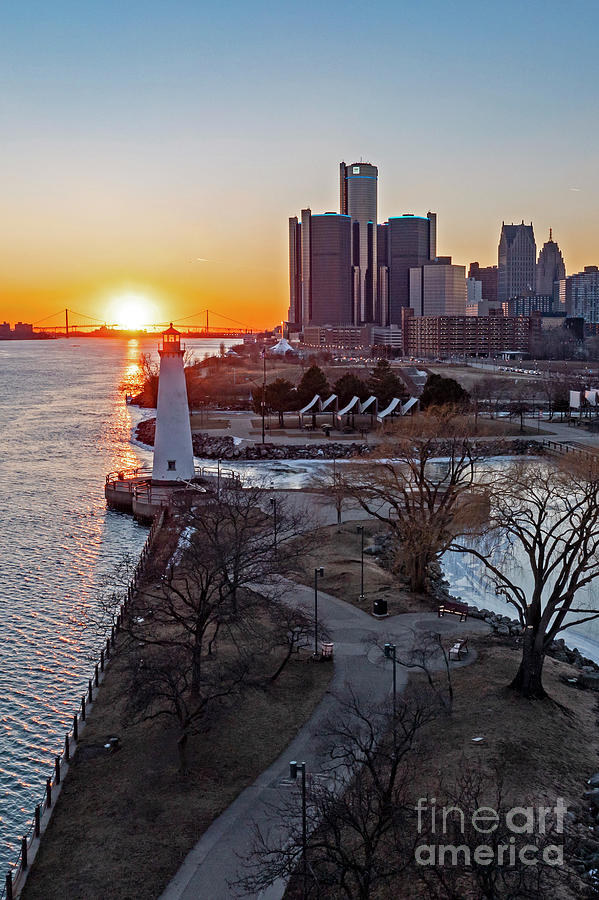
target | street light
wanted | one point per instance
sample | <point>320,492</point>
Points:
<point>389,651</point>
<point>263,390</point>
<point>293,770</point>
<point>318,572</point>
<point>360,530</point>
<point>273,503</point>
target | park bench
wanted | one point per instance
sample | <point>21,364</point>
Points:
<point>459,649</point>
<point>455,609</point>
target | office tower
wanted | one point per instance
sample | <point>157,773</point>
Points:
<point>581,294</point>
<point>358,199</point>
<point>407,241</point>
<point>487,275</point>
<point>474,295</point>
<point>517,256</point>
<point>295,272</point>
<point>320,269</point>
<point>438,288</point>
<point>550,267</point>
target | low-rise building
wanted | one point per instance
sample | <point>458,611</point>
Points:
<point>446,336</point>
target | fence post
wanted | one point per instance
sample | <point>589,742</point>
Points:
<point>75,728</point>
<point>102,660</point>
<point>24,862</point>
<point>57,770</point>
<point>67,749</point>
<point>9,886</point>
<point>48,793</point>
<point>36,821</point>
<point>83,709</point>
<point>107,648</point>
<point>97,676</point>
<point>90,696</point>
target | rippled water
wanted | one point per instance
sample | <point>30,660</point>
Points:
<point>63,426</point>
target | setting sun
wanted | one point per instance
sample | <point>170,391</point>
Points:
<point>132,311</point>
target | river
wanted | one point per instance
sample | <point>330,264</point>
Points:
<point>64,425</point>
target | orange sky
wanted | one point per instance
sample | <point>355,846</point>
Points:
<point>137,142</point>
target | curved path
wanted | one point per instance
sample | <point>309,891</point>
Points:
<point>217,857</point>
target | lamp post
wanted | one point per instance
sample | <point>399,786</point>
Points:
<point>273,503</point>
<point>293,770</point>
<point>389,651</point>
<point>360,530</point>
<point>263,390</point>
<point>318,572</point>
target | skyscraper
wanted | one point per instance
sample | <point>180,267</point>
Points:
<point>581,294</point>
<point>358,199</point>
<point>550,267</point>
<point>487,275</point>
<point>438,288</point>
<point>517,256</point>
<point>320,269</point>
<point>406,242</point>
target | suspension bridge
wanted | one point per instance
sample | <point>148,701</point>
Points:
<point>69,323</point>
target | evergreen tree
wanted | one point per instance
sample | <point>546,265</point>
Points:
<point>385,385</point>
<point>440,391</point>
<point>348,386</point>
<point>314,381</point>
<point>281,397</point>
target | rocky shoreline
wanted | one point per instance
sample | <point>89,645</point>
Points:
<point>207,446</point>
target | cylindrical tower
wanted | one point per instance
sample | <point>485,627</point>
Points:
<point>173,449</point>
<point>358,195</point>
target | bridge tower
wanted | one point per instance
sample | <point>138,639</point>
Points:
<point>173,450</point>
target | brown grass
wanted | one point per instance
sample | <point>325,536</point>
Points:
<point>339,553</point>
<point>124,822</point>
<point>547,749</point>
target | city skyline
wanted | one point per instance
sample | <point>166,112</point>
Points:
<point>160,155</point>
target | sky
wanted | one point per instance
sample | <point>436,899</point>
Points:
<point>157,149</point>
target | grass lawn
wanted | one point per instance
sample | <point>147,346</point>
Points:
<point>339,552</point>
<point>547,749</point>
<point>125,821</point>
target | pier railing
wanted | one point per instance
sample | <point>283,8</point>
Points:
<point>43,809</point>
<point>564,449</point>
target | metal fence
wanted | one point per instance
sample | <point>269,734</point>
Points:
<point>15,877</point>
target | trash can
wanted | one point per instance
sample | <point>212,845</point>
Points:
<point>379,607</point>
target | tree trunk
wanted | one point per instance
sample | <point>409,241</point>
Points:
<point>182,750</point>
<point>417,569</point>
<point>529,677</point>
<point>196,671</point>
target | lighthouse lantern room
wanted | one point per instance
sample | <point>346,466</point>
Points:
<point>173,449</point>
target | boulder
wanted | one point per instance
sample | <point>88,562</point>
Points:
<point>592,797</point>
<point>503,630</point>
<point>590,680</point>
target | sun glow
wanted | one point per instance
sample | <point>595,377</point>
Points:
<point>132,311</point>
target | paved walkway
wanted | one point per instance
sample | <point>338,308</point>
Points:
<point>217,858</point>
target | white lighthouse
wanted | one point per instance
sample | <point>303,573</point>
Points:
<point>173,449</point>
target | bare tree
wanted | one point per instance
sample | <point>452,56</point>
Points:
<point>227,545</point>
<point>541,553</point>
<point>161,687</point>
<point>357,839</point>
<point>423,501</point>
<point>461,854</point>
<point>330,487</point>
